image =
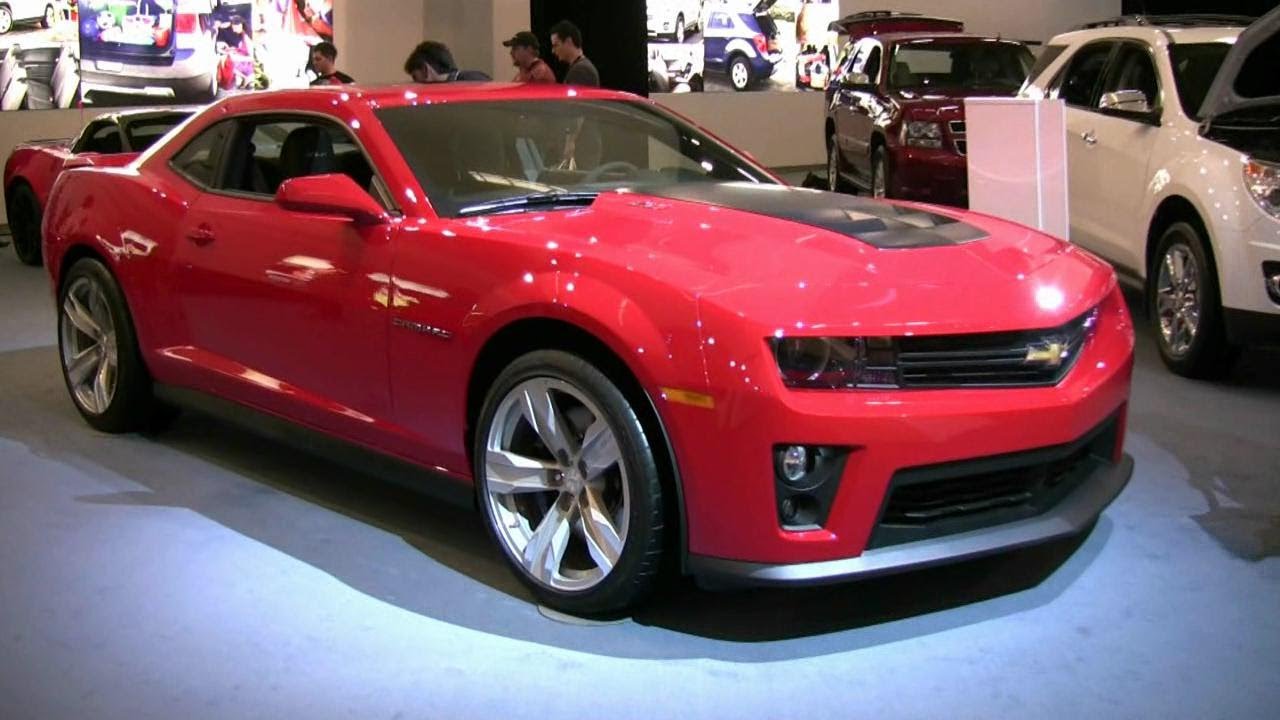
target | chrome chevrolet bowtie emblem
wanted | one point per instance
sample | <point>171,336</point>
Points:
<point>1046,354</point>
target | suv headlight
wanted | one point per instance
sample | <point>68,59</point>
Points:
<point>819,363</point>
<point>1263,181</point>
<point>922,134</point>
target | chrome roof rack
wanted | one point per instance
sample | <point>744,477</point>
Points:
<point>1181,20</point>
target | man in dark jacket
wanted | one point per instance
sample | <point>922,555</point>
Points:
<point>324,60</point>
<point>431,62</point>
<point>566,43</point>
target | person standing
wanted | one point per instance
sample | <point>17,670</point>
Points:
<point>324,60</point>
<point>566,44</point>
<point>432,62</point>
<point>525,56</point>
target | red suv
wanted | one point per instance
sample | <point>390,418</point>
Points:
<point>895,115</point>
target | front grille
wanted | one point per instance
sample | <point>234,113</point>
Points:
<point>1012,359</point>
<point>933,501</point>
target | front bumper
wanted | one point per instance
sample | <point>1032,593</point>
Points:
<point>1072,516</point>
<point>928,175</point>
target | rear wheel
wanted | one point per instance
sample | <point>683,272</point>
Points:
<point>739,73</point>
<point>6,20</point>
<point>568,484</point>
<point>1186,306</point>
<point>101,363</point>
<point>24,222</point>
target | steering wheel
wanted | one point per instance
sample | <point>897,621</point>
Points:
<point>617,166</point>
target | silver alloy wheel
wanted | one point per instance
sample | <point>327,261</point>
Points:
<point>1178,299</point>
<point>556,485</point>
<point>739,75</point>
<point>833,167</point>
<point>680,29</point>
<point>877,182</point>
<point>6,20</point>
<point>90,355</point>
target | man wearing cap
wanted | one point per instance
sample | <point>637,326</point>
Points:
<point>525,57</point>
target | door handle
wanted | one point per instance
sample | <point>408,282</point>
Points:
<point>1089,138</point>
<point>200,236</point>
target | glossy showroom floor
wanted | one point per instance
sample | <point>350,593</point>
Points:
<point>209,574</point>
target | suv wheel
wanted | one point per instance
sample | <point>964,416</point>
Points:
<point>680,28</point>
<point>879,174</point>
<point>568,485</point>
<point>1185,305</point>
<point>50,16</point>
<point>6,20</point>
<point>739,73</point>
<point>835,183</point>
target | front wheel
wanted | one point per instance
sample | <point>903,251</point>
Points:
<point>568,485</point>
<point>835,183</point>
<point>680,29</point>
<point>1185,304</point>
<point>50,16</point>
<point>740,73</point>
<point>879,174</point>
<point>24,222</point>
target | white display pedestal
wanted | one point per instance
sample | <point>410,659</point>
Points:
<point>1017,151</point>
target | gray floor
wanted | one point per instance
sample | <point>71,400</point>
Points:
<point>209,574</point>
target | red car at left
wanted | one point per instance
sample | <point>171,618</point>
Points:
<point>112,139</point>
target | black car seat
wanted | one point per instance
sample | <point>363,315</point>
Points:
<point>307,151</point>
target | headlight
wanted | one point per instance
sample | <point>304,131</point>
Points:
<point>835,363</point>
<point>923,134</point>
<point>1263,181</point>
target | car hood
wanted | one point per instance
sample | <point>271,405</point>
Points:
<point>1224,96</point>
<point>787,257</point>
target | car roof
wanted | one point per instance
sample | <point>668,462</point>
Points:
<point>410,94</point>
<point>118,115</point>
<point>1173,35</point>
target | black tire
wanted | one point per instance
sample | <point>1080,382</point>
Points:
<point>740,78</point>
<point>696,83</point>
<point>50,16</point>
<point>880,173</point>
<point>133,407</point>
<point>633,576</point>
<point>1208,354</point>
<point>658,83</point>
<point>835,181</point>
<point>681,31</point>
<point>25,217</point>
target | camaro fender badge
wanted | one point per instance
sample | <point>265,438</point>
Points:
<point>421,328</point>
<point>1049,354</point>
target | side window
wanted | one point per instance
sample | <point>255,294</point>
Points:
<point>719,21</point>
<point>872,66</point>
<point>1135,71</point>
<point>1078,84</point>
<point>105,139</point>
<point>199,160</point>
<point>270,152</point>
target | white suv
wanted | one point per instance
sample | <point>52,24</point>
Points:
<point>1173,147</point>
<point>673,18</point>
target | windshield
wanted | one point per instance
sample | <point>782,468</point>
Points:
<point>1195,65</point>
<point>928,65</point>
<point>469,156</point>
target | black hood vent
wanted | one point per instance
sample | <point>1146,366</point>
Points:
<point>879,224</point>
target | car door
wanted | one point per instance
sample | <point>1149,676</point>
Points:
<point>1126,133</point>
<point>286,310</point>
<point>1078,86</point>
<point>859,104</point>
<point>715,39</point>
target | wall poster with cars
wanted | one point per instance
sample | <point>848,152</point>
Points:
<point>741,45</point>
<point>111,53</point>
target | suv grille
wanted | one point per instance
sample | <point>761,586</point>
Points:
<point>1028,358</point>
<point>944,499</point>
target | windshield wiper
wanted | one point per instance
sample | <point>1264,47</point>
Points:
<point>531,201</point>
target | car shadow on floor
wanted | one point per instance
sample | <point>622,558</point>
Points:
<point>409,550</point>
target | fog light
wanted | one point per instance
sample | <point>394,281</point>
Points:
<point>795,464</point>
<point>1271,271</point>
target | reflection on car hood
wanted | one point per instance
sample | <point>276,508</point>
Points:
<point>786,260</point>
<point>1223,96</point>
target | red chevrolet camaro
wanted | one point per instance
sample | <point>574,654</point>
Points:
<point>628,344</point>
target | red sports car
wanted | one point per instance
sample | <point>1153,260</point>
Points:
<point>114,139</point>
<point>629,345</point>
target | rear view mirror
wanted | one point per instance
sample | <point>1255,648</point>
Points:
<point>330,194</point>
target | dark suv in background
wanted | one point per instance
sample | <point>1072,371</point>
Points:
<point>895,113</point>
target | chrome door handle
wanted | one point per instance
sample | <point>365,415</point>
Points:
<point>1089,138</point>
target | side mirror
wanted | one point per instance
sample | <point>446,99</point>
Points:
<point>1126,101</point>
<point>330,194</point>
